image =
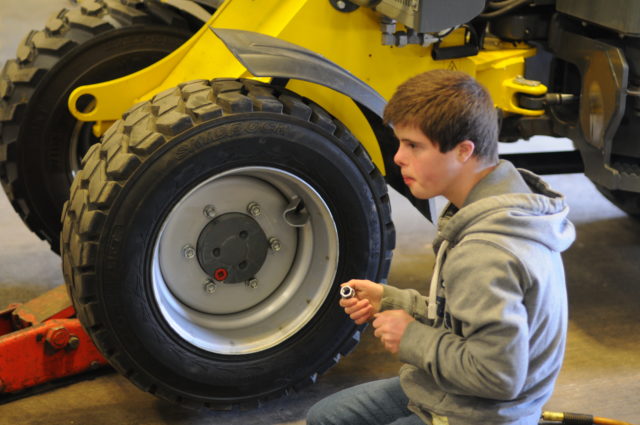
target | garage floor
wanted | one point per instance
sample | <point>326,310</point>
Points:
<point>601,373</point>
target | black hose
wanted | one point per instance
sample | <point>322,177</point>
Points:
<point>510,5</point>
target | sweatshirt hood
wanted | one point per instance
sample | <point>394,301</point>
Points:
<point>512,202</point>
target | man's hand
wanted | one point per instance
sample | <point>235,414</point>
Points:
<point>390,326</point>
<point>366,302</point>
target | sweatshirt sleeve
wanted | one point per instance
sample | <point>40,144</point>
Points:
<point>408,300</point>
<point>488,354</point>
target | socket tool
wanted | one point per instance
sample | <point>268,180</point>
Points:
<point>347,292</point>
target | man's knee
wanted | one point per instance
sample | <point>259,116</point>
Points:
<point>316,415</point>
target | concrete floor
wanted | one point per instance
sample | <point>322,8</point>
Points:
<point>601,373</point>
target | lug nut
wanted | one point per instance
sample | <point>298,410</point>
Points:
<point>252,283</point>
<point>209,286</point>
<point>254,209</point>
<point>188,252</point>
<point>274,243</point>
<point>209,211</point>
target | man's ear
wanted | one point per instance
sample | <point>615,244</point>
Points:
<point>465,150</point>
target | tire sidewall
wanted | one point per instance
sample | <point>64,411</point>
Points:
<point>124,258</point>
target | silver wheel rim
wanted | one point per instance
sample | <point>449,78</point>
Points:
<point>290,287</point>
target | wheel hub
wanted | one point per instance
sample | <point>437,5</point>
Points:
<point>232,248</point>
<point>287,260</point>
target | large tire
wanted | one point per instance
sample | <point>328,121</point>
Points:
<point>41,143</point>
<point>145,219</point>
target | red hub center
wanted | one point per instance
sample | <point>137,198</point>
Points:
<point>220,274</point>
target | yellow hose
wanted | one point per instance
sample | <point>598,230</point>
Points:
<point>570,418</point>
<point>606,421</point>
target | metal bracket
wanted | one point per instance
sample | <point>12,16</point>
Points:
<point>605,78</point>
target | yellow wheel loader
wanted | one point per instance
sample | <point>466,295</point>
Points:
<point>240,179</point>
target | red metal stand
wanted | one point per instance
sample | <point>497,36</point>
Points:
<point>40,340</point>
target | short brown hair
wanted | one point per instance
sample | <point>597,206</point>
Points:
<point>448,107</point>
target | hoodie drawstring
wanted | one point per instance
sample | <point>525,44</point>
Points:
<point>432,307</point>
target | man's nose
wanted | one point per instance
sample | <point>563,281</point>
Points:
<point>398,158</point>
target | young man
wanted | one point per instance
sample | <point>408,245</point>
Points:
<point>486,345</point>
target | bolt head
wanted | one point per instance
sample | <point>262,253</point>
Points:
<point>58,337</point>
<point>74,342</point>
<point>188,252</point>
<point>402,39</point>
<point>275,244</point>
<point>341,4</point>
<point>209,211</point>
<point>209,287</point>
<point>254,209</point>
<point>252,283</point>
<point>388,28</point>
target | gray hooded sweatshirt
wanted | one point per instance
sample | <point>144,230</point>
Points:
<point>487,345</point>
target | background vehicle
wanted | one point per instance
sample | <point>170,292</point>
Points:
<point>131,202</point>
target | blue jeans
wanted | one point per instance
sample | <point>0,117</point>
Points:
<point>373,403</point>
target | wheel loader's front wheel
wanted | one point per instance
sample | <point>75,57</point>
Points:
<point>206,238</point>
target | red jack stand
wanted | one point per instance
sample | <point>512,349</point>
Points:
<point>41,340</point>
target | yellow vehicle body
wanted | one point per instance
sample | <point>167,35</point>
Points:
<point>350,40</point>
